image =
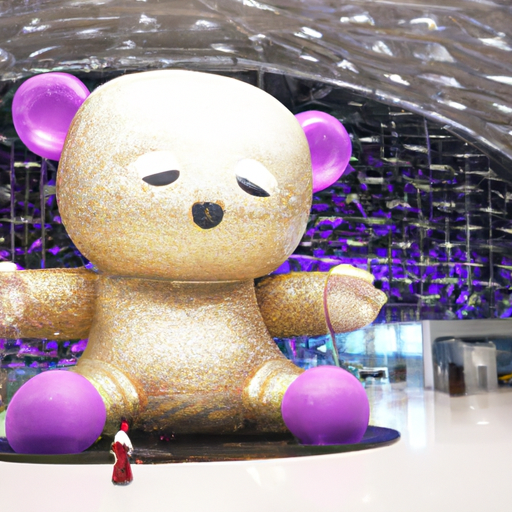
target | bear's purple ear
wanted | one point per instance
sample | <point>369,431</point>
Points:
<point>329,144</point>
<point>42,110</point>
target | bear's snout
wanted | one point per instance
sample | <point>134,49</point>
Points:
<point>207,215</point>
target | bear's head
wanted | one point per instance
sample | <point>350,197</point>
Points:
<point>186,176</point>
<point>177,174</point>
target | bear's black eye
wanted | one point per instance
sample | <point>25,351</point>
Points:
<point>162,178</point>
<point>251,188</point>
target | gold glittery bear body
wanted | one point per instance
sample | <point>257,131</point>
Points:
<point>182,188</point>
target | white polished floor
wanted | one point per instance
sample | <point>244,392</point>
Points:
<point>453,456</point>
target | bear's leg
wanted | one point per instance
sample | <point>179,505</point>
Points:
<point>120,396</point>
<point>323,405</point>
<point>59,411</point>
<point>263,393</point>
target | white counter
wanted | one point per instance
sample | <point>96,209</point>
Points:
<point>453,456</point>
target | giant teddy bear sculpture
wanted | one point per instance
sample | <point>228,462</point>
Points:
<point>182,188</point>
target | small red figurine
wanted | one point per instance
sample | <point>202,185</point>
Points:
<point>122,449</point>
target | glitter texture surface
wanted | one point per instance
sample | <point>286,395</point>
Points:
<point>188,349</point>
<point>177,341</point>
<point>292,304</point>
<point>203,126</point>
<point>54,303</point>
<point>184,356</point>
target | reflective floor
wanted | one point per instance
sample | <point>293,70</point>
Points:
<point>452,456</point>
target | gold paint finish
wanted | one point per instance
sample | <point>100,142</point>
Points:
<point>353,302</point>
<point>349,270</point>
<point>177,340</point>
<point>292,304</point>
<point>56,303</point>
<point>181,354</point>
<point>121,398</point>
<point>205,126</point>
<point>263,394</point>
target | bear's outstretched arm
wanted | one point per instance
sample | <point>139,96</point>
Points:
<point>52,303</point>
<point>293,304</point>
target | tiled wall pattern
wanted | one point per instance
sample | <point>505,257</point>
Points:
<point>420,209</point>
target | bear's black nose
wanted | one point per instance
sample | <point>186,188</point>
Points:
<point>207,215</point>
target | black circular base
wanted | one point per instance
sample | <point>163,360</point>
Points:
<point>160,449</point>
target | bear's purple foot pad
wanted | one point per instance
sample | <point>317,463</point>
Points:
<point>56,412</point>
<point>326,405</point>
